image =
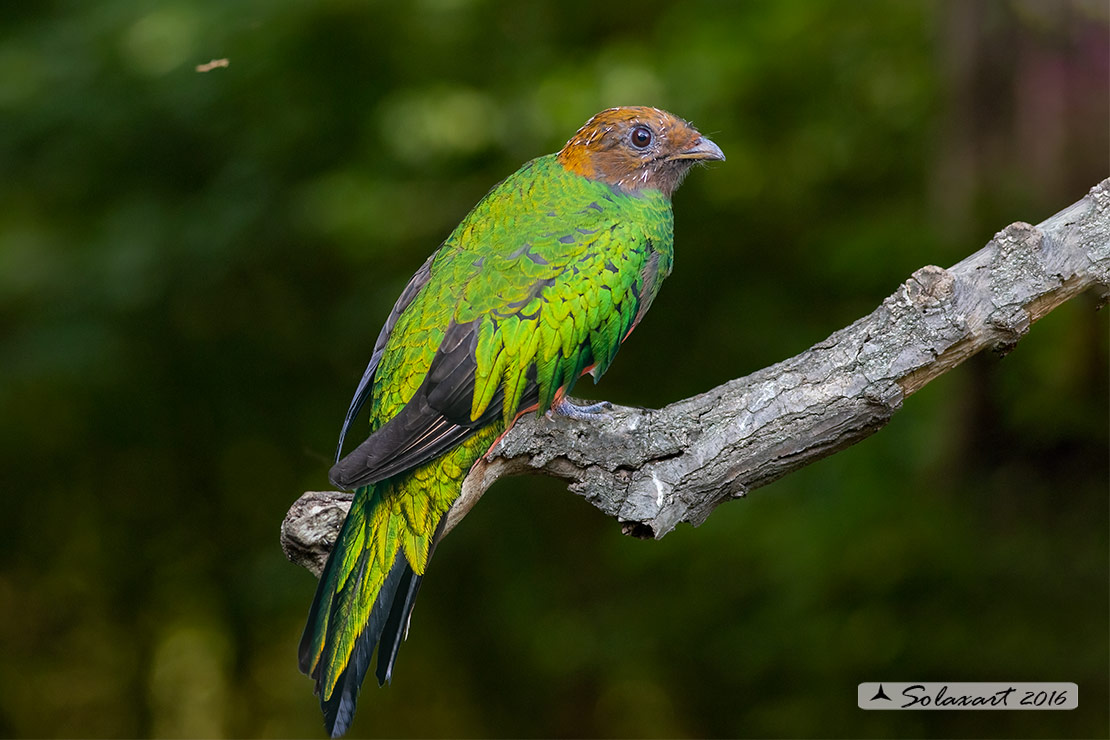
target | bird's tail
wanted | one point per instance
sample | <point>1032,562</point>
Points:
<point>366,593</point>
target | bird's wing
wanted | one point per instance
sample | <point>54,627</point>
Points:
<point>418,281</point>
<point>433,421</point>
<point>527,321</point>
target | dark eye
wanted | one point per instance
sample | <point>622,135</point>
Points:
<point>641,137</point>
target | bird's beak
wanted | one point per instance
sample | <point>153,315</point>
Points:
<point>703,149</point>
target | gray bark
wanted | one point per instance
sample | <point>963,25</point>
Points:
<point>653,468</point>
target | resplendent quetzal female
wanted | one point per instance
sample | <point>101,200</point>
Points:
<point>539,284</point>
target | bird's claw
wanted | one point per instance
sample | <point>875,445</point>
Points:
<point>581,413</point>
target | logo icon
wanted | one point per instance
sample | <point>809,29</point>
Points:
<point>880,694</point>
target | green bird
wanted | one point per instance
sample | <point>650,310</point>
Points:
<point>539,284</point>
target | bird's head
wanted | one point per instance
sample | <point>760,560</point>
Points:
<point>637,148</point>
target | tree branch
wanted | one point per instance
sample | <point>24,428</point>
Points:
<point>651,469</point>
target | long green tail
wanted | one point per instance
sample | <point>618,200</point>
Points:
<point>369,585</point>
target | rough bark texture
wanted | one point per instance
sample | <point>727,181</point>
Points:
<point>651,469</point>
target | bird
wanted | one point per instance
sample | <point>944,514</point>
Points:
<point>537,286</point>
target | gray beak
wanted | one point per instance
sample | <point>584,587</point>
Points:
<point>703,149</point>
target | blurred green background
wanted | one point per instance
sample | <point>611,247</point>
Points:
<point>194,266</point>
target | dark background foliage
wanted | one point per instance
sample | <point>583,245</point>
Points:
<point>193,267</point>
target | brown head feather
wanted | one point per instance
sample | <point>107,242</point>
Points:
<point>635,148</point>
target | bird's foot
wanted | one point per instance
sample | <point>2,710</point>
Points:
<point>581,413</point>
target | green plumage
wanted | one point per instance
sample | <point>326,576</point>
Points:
<point>541,282</point>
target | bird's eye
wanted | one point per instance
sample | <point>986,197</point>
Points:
<point>641,137</point>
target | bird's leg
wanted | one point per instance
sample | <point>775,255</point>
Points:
<point>563,407</point>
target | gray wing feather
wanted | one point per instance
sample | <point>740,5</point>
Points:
<point>418,281</point>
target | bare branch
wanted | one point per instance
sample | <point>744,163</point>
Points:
<point>651,469</point>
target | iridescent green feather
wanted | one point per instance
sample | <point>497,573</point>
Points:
<point>552,267</point>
